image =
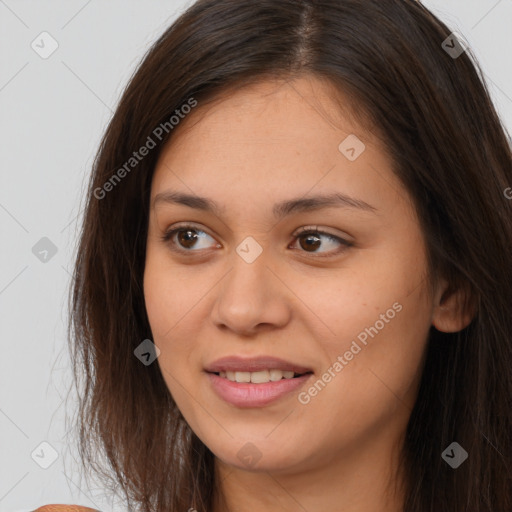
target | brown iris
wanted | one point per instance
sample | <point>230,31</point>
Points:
<point>310,242</point>
<point>187,236</point>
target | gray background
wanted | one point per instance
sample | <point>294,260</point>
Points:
<point>52,114</point>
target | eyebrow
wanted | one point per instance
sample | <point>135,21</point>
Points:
<point>280,210</point>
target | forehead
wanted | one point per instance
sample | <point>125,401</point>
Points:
<point>275,112</point>
<point>268,138</point>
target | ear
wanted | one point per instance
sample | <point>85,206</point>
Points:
<point>453,308</point>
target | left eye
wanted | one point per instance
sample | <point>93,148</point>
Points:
<point>311,239</point>
<point>192,239</point>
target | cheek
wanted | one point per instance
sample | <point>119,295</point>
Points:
<point>175,299</point>
<point>377,318</point>
<point>162,310</point>
<point>171,292</point>
<point>164,314</point>
<point>374,363</point>
<point>167,301</point>
<point>371,385</point>
<point>342,304</point>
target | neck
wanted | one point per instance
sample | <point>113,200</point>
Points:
<point>360,479</point>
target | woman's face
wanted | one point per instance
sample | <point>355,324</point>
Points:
<point>345,302</point>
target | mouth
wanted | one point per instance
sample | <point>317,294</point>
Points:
<point>260,377</point>
<point>257,365</point>
<point>255,382</point>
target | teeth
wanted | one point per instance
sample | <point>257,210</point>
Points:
<point>243,376</point>
<point>276,375</point>
<point>260,377</point>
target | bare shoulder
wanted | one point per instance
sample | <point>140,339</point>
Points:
<point>64,508</point>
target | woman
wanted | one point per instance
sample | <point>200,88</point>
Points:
<point>292,289</point>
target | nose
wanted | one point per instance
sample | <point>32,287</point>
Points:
<point>251,298</point>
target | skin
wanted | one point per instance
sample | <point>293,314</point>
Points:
<point>248,150</point>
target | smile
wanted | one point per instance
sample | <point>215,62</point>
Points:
<point>260,377</point>
<point>248,394</point>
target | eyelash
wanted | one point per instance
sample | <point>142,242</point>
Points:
<point>306,230</point>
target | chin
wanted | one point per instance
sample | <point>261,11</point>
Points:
<point>260,454</point>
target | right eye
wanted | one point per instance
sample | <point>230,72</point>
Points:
<point>188,238</point>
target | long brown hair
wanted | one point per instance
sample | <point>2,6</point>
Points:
<point>450,151</point>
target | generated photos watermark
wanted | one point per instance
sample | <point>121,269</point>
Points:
<point>304,397</point>
<point>158,133</point>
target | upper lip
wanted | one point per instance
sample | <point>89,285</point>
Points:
<point>254,364</point>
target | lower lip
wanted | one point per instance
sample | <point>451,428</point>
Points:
<point>246,394</point>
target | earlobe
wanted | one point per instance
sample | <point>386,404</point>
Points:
<point>453,309</point>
